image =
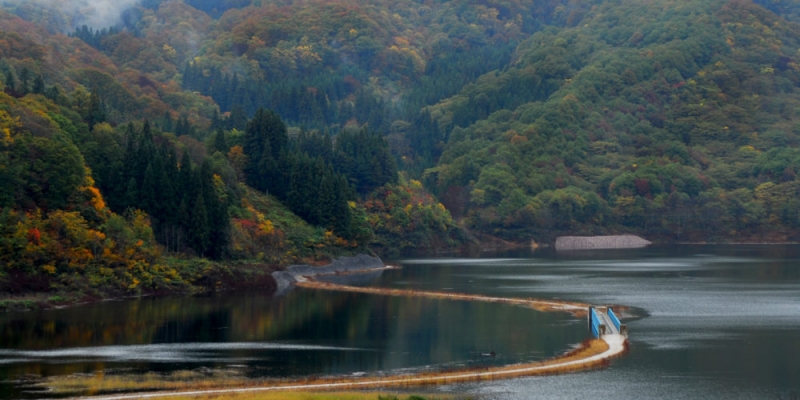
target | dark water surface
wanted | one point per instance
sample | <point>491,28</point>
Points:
<point>706,322</point>
<point>712,322</point>
<point>306,332</point>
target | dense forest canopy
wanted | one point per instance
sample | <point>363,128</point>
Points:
<point>277,130</point>
<point>679,123</point>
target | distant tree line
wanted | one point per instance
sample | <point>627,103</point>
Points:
<point>93,37</point>
<point>334,99</point>
<point>18,85</point>
<point>182,199</point>
<point>310,174</point>
<point>315,102</point>
<point>315,175</point>
<point>214,8</point>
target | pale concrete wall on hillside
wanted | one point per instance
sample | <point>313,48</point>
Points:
<point>600,242</point>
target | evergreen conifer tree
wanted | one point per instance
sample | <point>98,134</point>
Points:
<point>166,122</point>
<point>199,229</point>
<point>148,196</point>
<point>11,82</point>
<point>131,199</point>
<point>220,144</point>
<point>24,80</point>
<point>185,173</point>
<point>38,85</point>
<point>97,112</point>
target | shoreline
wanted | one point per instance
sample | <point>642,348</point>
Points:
<point>286,279</point>
<point>279,281</point>
<point>732,243</point>
<point>590,354</point>
<point>50,301</point>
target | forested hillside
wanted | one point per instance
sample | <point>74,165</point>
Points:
<point>266,132</point>
<point>674,120</point>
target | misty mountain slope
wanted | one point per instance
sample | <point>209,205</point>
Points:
<point>312,61</point>
<point>665,118</point>
<point>63,16</point>
<point>788,9</point>
<point>320,63</point>
<point>671,119</point>
<point>128,93</point>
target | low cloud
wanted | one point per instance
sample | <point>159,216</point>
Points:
<point>94,13</point>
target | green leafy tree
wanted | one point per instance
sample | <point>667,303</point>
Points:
<point>54,170</point>
<point>96,112</point>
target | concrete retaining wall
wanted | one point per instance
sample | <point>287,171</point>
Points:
<point>362,262</point>
<point>600,242</point>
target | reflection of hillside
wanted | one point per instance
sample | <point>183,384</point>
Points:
<point>421,331</point>
<point>253,317</point>
<point>391,332</point>
<point>123,322</point>
<point>301,315</point>
<point>186,319</point>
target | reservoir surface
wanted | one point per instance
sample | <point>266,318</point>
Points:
<point>705,322</point>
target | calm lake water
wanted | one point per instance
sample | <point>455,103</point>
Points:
<point>705,322</point>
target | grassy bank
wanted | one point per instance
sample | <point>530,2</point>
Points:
<point>190,384</point>
<point>190,276</point>
<point>319,396</point>
<point>316,396</point>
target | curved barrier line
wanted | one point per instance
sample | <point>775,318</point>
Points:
<point>615,348</point>
<point>615,345</point>
<point>572,307</point>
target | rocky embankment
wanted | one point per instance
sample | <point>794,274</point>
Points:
<point>343,265</point>
<point>600,242</point>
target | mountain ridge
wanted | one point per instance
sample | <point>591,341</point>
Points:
<point>517,119</point>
